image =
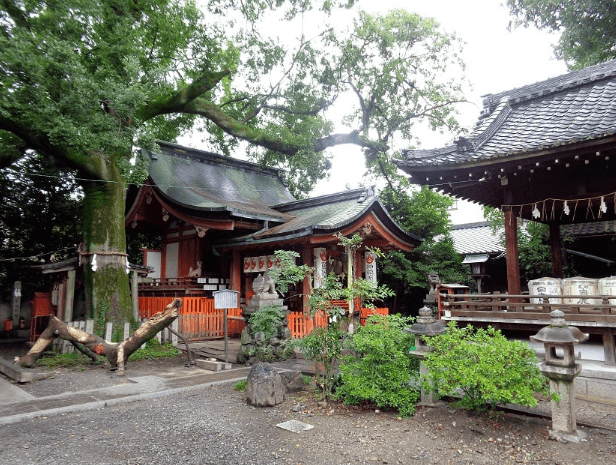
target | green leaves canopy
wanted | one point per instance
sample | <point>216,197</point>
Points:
<point>588,27</point>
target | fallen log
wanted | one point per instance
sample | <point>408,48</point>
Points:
<point>117,353</point>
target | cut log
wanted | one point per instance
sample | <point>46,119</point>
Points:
<point>117,353</point>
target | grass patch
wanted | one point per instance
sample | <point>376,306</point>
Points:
<point>153,350</point>
<point>74,361</point>
<point>241,386</point>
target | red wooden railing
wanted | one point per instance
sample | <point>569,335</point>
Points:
<point>366,312</point>
<point>301,324</point>
<point>198,318</point>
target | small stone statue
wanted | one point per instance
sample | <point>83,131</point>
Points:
<point>433,281</point>
<point>264,284</point>
<point>196,273</point>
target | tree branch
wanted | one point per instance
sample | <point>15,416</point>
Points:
<point>178,100</point>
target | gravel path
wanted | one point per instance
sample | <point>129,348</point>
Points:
<point>216,426</point>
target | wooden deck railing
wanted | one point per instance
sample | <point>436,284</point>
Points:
<point>592,308</point>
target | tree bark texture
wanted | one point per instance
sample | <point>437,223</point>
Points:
<point>107,287</point>
<point>117,353</point>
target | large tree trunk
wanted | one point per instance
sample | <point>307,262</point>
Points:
<point>116,352</point>
<point>107,287</point>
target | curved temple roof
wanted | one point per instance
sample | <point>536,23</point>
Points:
<point>209,182</point>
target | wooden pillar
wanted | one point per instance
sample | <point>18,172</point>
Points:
<point>557,253</point>
<point>609,347</point>
<point>235,272</point>
<point>134,293</point>
<point>307,259</point>
<point>513,260</point>
<point>70,296</point>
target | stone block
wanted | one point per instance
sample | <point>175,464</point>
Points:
<point>213,365</point>
<point>264,387</point>
<point>292,381</point>
<point>13,371</point>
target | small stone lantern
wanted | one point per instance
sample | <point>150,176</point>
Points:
<point>425,325</point>
<point>561,371</point>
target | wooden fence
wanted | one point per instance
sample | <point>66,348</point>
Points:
<point>366,312</point>
<point>301,324</point>
<point>198,317</point>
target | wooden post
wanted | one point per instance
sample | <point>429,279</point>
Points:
<point>134,292</point>
<point>306,288</point>
<point>108,329</point>
<point>513,261</point>
<point>70,296</point>
<point>235,272</point>
<point>556,247</point>
<point>609,347</point>
<point>16,307</point>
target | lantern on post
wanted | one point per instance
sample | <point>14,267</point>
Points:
<point>561,371</point>
<point>425,325</point>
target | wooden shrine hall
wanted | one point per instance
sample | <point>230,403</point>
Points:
<point>545,152</point>
<point>222,219</point>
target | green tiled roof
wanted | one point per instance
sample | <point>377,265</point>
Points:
<point>209,182</point>
<point>327,213</point>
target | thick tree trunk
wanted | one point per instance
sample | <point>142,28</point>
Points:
<point>116,352</point>
<point>106,283</point>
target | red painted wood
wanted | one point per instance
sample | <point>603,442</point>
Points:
<point>513,261</point>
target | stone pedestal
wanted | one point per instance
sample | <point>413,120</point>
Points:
<point>426,325</point>
<point>561,372</point>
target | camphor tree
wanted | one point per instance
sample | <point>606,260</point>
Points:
<point>86,82</point>
<point>587,27</point>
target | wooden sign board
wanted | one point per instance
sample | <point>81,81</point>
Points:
<point>225,299</point>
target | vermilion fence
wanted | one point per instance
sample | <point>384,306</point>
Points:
<point>198,318</point>
<point>301,324</point>
<point>366,312</point>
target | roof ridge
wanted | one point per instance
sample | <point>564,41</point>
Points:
<point>365,192</point>
<point>479,224</point>
<point>549,86</point>
<point>212,157</point>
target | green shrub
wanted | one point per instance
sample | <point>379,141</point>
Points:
<point>485,367</point>
<point>380,368</point>
<point>267,320</point>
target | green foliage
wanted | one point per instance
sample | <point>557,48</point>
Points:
<point>39,218</point>
<point>288,272</point>
<point>266,320</point>
<point>74,361</point>
<point>241,386</point>
<point>380,368</point>
<point>486,367</point>
<point>324,346</point>
<point>153,350</point>
<point>424,213</point>
<point>586,27</point>
<point>307,379</point>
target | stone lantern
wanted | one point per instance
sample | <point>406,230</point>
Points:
<point>561,371</point>
<point>425,325</point>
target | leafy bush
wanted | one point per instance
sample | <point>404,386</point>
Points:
<point>380,368</point>
<point>486,367</point>
<point>266,320</point>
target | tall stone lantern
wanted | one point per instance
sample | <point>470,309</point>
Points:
<point>425,325</point>
<point>561,371</point>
